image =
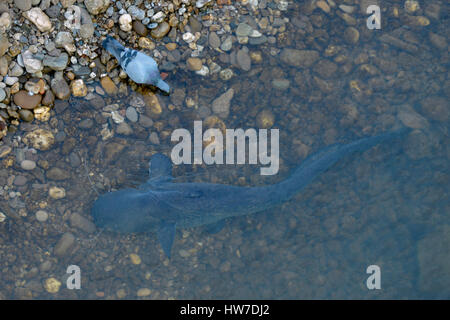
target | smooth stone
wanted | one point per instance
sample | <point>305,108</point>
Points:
<point>60,88</point>
<point>109,86</point>
<point>39,19</point>
<point>80,222</point>
<point>78,88</point>
<point>20,181</point>
<point>41,215</point>
<point>87,30</point>
<point>280,84</point>
<point>132,114</point>
<point>62,247</point>
<point>86,124</point>
<point>26,115</point>
<point>221,105</point>
<point>4,44</point>
<point>140,28</point>
<point>194,64</point>
<point>16,71</point>
<point>160,31</point>
<point>26,101</point>
<point>23,5</point>
<point>74,160</point>
<point>243,60</point>
<point>57,174</point>
<point>243,30</point>
<point>124,128</point>
<point>299,58</point>
<point>40,139</point>
<point>96,6</point>
<point>28,165</point>
<point>2,94</point>
<point>154,138</point>
<point>145,121</point>
<point>227,44</point>
<point>214,41</point>
<point>57,63</point>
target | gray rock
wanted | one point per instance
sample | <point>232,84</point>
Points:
<point>243,30</point>
<point>280,84</point>
<point>16,71</point>
<point>20,181</point>
<point>145,121</point>
<point>87,30</point>
<point>257,41</point>
<point>132,114</point>
<point>221,105</point>
<point>74,160</point>
<point>299,58</point>
<point>96,6</point>
<point>60,88</point>
<point>57,174</point>
<point>154,138</point>
<point>86,124</point>
<point>227,44</point>
<point>28,165</point>
<point>80,222</point>
<point>243,60</point>
<point>2,94</point>
<point>23,5</point>
<point>214,40</point>
<point>57,63</point>
<point>64,244</point>
<point>124,128</point>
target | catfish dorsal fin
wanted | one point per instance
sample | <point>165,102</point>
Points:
<point>166,235</point>
<point>160,166</point>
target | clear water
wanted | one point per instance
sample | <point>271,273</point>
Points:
<point>388,206</point>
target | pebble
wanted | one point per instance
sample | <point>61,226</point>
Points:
<point>351,35</point>
<point>41,215</point>
<point>226,74</point>
<point>144,292</point>
<point>125,22</point>
<point>26,101</point>
<point>57,174</point>
<point>243,60</point>
<point>52,285</point>
<point>96,6</point>
<point>154,138</point>
<point>140,28</point>
<point>194,64</point>
<point>221,105</point>
<point>39,18</point>
<point>82,223</point>
<point>131,114</point>
<point>31,64</point>
<point>23,5</point>
<point>78,88</point>
<point>87,30</point>
<point>26,115</point>
<point>109,86</point>
<point>160,31</point>
<point>280,84</point>
<point>124,128</point>
<point>57,193</point>
<point>16,71</point>
<point>2,94</point>
<point>243,30</point>
<point>63,245</point>
<point>10,80</point>
<point>28,165</point>
<point>214,40</point>
<point>299,58</point>
<point>4,151</point>
<point>135,259</point>
<point>227,44</point>
<point>58,63</point>
<point>20,181</point>
<point>60,88</point>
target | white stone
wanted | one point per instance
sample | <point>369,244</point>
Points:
<point>125,22</point>
<point>39,18</point>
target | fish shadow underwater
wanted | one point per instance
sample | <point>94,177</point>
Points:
<point>162,205</point>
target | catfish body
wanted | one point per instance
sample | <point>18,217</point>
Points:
<point>162,205</point>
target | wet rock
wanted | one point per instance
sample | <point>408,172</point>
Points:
<point>48,99</point>
<point>64,40</point>
<point>438,41</point>
<point>4,151</point>
<point>140,28</point>
<point>351,35</point>
<point>112,151</point>
<point>243,30</point>
<point>16,71</point>
<point>78,88</point>
<point>154,138</point>
<point>125,22</point>
<point>96,6</point>
<point>299,58</point>
<point>32,65</point>
<point>74,160</point>
<point>26,115</point>
<point>280,84</point>
<point>87,31</point>
<point>64,244</point>
<point>221,105</point>
<point>57,174</point>
<point>57,193</point>
<point>26,101</point>
<point>39,18</point>
<point>124,129</point>
<point>227,44</point>
<point>28,165</point>
<point>58,63</point>
<point>60,88</point>
<point>243,60</point>
<point>145,121</point>
<point>160,31</point>
<point>86,124</point>
<point>436,108</point>
<point>214,41</point>
<point>4,44</point>
<point>131,114</point>
<point>23,5</point>
<point>80,222</point>
<point>41,215</point>
<point>411,119</point>
<point>325,68</point>
<point>2,94</point>
<point>109,86</point>
<point>40,139</point>
<point>265,119</point>
<point>194,64</point>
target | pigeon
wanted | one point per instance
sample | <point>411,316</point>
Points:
<point>140,67</point>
